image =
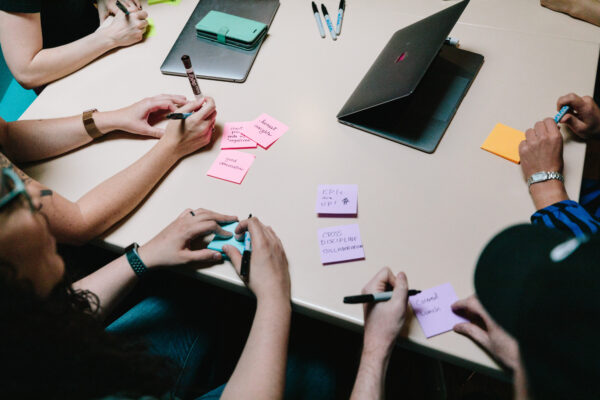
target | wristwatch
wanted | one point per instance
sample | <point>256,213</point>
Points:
<point>89,124</point>
<point>133,257</point>
<point>543,176</point>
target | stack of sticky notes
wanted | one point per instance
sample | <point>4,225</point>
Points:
<point>504,141</point>
<point>339,243</point>
<point>218,242</point>
<point>233,165</point>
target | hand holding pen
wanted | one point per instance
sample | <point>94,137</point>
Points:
<point>268,277</point>
<point>384,320</point>
<point>195,132</point>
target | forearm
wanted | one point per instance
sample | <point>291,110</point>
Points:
<point>48,65</point>
<point>110,283</point>
<point>114,198</point>
<point>547,193</point>
<point>370,379</point>
<point>266,346</point>
<point>587,10</point>
<point>33,140</point>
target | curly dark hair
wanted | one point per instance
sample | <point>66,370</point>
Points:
<point>56,347</point>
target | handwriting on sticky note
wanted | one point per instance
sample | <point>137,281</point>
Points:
<point>433,309</point>
<point>504,141</point>
<point>340,243</point>
<point>233,136</point>
<point>231,165</point>
<point>337,200</point>
<point>265,130</point>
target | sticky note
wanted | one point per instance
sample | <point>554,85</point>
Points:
<point>433,309</point>
<point>265,130</point>
<point>340,244</point>
<point>337,200</point>
<point>150,29</point>
<point>233,137</point>
<point>171,2</point>
<point>231,166</point>
<point>218,243</point>
<point>504,141</point>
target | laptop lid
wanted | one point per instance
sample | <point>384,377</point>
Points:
<point>213,60</point>
<point>403,62</point>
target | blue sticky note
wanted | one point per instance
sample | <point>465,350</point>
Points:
<point>218,243</point>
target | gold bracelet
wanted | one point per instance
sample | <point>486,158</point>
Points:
<point>90,125</point>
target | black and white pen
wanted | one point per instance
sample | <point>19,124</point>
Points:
<point>245,268</point>
<point>328,21</point>
<point>178,115</point>
<point>371,298</point>
<point>341,8</point>
<point>318,19</point>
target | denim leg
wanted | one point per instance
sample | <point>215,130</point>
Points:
<point>179,330</point>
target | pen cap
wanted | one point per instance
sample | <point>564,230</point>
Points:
<point>187,63</point>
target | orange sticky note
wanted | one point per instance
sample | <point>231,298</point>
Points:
<point>504,141</point>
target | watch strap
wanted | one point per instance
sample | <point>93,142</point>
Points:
<point>549,175</point>
<point>135,261</point>
<point>89,124</point>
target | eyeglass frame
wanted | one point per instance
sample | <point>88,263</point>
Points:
<point>18,190</point>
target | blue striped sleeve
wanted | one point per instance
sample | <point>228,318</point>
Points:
<point>567,215</point>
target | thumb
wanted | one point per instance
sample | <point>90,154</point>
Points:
<point>401,289</point>
<point>235,256</point>
<point>204,255</point>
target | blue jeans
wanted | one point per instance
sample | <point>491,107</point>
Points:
<point>190,332</point>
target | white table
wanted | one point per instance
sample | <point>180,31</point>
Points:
<point>429,215</point>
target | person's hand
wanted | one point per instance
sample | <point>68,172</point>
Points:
<point>584,117</point>
<point>384,320</point>
<point>269,278</point>
<point>125,30</point>
<point>485,332</point>
<point>563,6</point>
<point>109,7</point>
<point>140,117</point>
<point>172,245</point>
<point>195,131</point>
<point>542,151</point>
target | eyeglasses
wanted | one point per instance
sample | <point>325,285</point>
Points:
<point>15,187</point>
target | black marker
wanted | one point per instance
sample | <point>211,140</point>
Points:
<point>245,268</point>
<point>328,21</point>
<point>122,7</point>
<point>341,9</point>
<point>178,115</point>
<point>371,298</point>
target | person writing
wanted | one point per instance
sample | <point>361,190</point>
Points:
<point>79,221</point>
<point>45,40</point>
<point>541,152</point>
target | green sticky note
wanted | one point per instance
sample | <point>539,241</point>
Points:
<point>172,2</point>
<point>218,243</point>
<point>150,29</point>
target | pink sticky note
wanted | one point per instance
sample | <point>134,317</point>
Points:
<point>340,243</point>
<point>265,130</point>
<point>432,308</point>
<point>337,200</point>
<point>231,166</point>
<point>233,136</point>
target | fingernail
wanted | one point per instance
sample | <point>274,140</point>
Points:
<point>217,256</point>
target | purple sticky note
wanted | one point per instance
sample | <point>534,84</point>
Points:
<point>337,200</point>
<point>340,243</point>
<point>433,309</point>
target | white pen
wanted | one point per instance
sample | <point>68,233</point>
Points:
<point>341,9</point>
<point>318,19</point>
<point>328,21</point>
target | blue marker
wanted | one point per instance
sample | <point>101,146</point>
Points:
<point>341,9</point>
<point>318,19</point>
<point>328,20</point>
<point>178,115</point>
<point>561,113</point>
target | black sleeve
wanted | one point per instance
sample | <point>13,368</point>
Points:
<point>22,6</point>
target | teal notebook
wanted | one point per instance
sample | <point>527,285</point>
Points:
<point>218,243</point>
<point>231,30</point>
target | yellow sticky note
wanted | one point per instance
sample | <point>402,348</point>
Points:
<point>504,141</point>
<point>150,29</point>
<point>172,2</point>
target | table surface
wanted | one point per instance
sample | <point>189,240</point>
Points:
<point>429,215</point>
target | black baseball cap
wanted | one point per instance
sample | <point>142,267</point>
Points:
<point>543,287</point>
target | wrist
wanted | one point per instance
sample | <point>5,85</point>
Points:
<point>105,121</point>
<point>104,39</point>
<point>148,256</point>
<point>168,149</point>
<point>547,193</point>
<point>378,350</point>
<point>275,303</point>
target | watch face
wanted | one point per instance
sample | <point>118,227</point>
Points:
<point>539,176</point>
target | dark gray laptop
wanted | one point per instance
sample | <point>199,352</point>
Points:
<point>214,60</point>
<point>412,91</point>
